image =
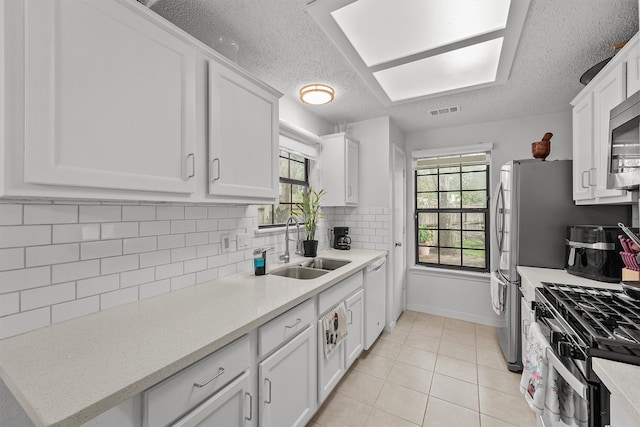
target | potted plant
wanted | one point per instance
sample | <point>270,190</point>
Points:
<point>425,237</point>
<point>309,213</point>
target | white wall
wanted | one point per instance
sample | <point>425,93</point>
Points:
<point>291,111</point>
<point>467,296</point>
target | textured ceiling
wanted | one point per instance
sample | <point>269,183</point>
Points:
<point>282,44</point>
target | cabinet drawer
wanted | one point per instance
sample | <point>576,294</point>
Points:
<point>338,293</point>
<point>176,395</point>
<point>285,326</point>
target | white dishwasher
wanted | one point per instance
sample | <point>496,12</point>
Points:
<point>375,300</point>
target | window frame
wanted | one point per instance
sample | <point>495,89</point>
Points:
<point>287,180</point>
<point>486,211</point>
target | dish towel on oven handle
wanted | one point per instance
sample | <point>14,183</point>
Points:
<point>334,327</point>
<point>534,371</point>
<point>497,293</point>
<point>563,406</point>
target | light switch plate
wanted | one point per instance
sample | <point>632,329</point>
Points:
<point>243,240</point>
<point>225,243</point>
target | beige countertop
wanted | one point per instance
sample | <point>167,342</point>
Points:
<point>70,372</point>
<point>621,379</point>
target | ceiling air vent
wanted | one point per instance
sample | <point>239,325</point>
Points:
<point>446,110</point>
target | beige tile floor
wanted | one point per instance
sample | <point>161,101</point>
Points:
<point>431,371</point>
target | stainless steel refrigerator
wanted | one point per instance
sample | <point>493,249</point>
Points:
<point>533,205</point>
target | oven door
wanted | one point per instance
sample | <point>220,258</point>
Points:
<point>580,402</point>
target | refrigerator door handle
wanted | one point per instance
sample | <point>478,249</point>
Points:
<point>499,217</point>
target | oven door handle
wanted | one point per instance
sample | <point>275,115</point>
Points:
<point>576,384</point>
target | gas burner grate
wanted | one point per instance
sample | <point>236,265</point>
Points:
<point>607,319</point>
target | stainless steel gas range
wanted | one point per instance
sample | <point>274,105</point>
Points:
<point>583,322</point>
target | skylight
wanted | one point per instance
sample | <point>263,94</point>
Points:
<point>413,49</point>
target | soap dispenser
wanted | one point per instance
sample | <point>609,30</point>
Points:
<point>260,261</point>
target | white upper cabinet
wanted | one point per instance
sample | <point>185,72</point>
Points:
<point>109,99</point>
<point>633,66</point>
<point>340,171</point>
<point>243,138</point>
<point>591,112</point>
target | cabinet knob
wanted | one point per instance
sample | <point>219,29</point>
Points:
<point>398,244</point>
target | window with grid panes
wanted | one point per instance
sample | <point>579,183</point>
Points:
<point>452,212</point>
<point>294,182</point>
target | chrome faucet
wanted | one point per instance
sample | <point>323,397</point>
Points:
<point>285,256</point>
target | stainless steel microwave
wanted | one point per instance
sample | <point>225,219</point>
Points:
<point>624,144</point>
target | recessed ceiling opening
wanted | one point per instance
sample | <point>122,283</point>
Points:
<point>414,49</point>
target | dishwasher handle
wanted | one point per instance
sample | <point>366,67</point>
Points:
<point>375,266</point>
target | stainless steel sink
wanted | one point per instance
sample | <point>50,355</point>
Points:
<point>328,263</point>
<point>299,272</point>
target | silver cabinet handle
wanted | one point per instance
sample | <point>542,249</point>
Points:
<point>582,179</point>
<point>250,406</point>
<point>215,161</point>
<point>349,190</point>
<point>268,401</point>
<point>350,317</point>
<point>398,244</point>
<point>193,165</point>
<point>298,320</point>
<point>220,372</point>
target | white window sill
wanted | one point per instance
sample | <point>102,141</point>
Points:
<point>445,272</point>
<point>270,231</point>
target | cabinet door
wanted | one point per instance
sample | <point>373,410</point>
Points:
<point>633,66</point>
<point>230,407</point>
<point>243,138</point>
<point>288,383</point>
<point>355,327</point>
<point>608,93</point>
<point>109,98</point>
<point>330,369</point>
<point>352,171</point>
<point>583,149</point>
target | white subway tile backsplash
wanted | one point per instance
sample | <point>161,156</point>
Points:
<point>47,295</point>
<point>24,322</point>
<point>194,239</point>
<point>169,270</point>
<point>73,309</point>
<point>75,233</point>
<point>138,213</point>
<point>116,298</point>
<point>27,278</point>
<point>152,289</point>
<point>11,259</point>
<point>69,259</point>
<point>24,235</point>
<point>52,254</point>
<point>195,265</point>
<point>10,303</point>
<point>150,259</point>
<point>183,226</point>
<point>170,212</point>
<point>119,230</point>
<point>97,285</point>
<point>206,225</point>
<point>184,281</point>
<point>100,213</point>
<point>74,271</point>
<point>226,224</point>
<point>171,241</point>
<point>100,249</point>
<point>118,264</point>
<point>137,277</point>
<point>10,214</point>
<point>195,212</point>
<point>154,228</point>
<point>183,254</point>
<point>50,214</point>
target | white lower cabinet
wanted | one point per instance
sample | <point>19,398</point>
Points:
<point>229,407</point>
<point>355,327</point>
<point>287,383</point>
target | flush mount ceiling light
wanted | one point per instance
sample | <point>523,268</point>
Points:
<point>316,94</point>
<point>415,49</point>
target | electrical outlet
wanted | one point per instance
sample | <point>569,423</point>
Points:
<point>243,240</point>
<point>225,243</point>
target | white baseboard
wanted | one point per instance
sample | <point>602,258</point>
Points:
<point>483,320</point>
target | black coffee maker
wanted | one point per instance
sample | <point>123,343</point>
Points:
<point>341,239</point>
